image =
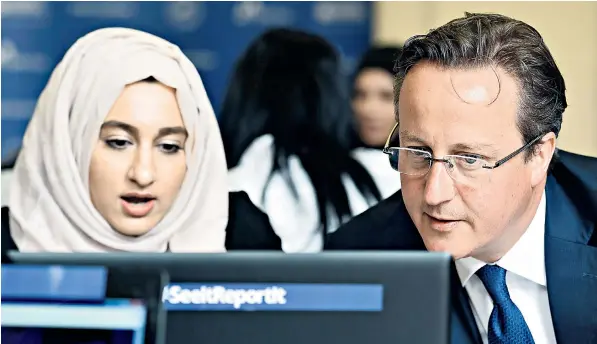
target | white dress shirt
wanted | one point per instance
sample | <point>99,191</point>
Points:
<point>525,278</point>
<point>296,219</point>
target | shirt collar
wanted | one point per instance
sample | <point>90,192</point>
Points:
<point>526,258</point>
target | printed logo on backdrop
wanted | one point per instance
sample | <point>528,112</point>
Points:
<point>25,10</point>
<point>103,10</point>
<point>273,297</point>
<point>185,16</point>
<point>14,60</point>
<point>18,109</point>
<point>262,13</point>
<point>205,60</point>
<point>27,15</point>
<point>329,13</point>
<point>33,42</point>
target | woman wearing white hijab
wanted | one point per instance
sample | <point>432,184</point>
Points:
<point>123,153</point>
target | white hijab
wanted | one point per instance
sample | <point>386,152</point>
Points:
<point>50,206</point>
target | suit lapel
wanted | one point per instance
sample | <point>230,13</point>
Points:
<point>571,268</point>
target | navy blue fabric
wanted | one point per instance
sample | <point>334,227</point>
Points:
<point>506,323</point>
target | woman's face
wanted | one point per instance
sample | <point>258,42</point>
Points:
<point>373,105</point>
<point>138,163</point>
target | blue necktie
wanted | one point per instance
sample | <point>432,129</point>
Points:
<point>506,323</point>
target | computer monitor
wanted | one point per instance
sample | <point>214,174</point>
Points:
<point>268,297</point>
<point>79,305</point>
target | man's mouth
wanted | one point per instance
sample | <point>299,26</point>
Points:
<point>442,224</point>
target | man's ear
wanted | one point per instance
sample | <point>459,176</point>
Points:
<point>542,155</point>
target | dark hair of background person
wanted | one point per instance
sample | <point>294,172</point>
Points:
<point>497,41</point>
<point>380,57</point>
<point>290,84</point>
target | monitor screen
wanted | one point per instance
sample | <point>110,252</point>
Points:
<point>272,298</point>
<point>114,321</point>
<point>67,305</point>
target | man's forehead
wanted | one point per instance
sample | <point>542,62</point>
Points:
<point>475,108</point>
<point>482,85</point>
<point>479,86</point>
<point>483,94</point>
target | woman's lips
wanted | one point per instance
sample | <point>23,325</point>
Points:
<point>137,209</point>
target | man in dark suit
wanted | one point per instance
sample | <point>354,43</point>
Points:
<point>479,104</point>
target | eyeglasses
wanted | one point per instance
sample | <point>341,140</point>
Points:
<point>416,162</point>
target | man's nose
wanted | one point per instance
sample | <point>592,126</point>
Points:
<point>439,186</point>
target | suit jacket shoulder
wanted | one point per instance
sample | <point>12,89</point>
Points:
<point>385,226</point>
<point>577,176</point>
<point>580,166</point>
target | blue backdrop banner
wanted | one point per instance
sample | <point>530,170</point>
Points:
<point>35,36</point>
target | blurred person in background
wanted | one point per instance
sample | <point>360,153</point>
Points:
<point>123,153</point>
<point>287,127</point>
<point>480,102</point>
<point>373,106</point>
<point>373,95</point>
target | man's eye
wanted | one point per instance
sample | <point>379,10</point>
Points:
<point>470,159</point>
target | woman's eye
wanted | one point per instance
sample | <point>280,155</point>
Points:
<point>117,143</point>
<point>170,148</point>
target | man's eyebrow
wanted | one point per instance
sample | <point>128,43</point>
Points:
<point>473,146</point>
<point>411,137</point>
